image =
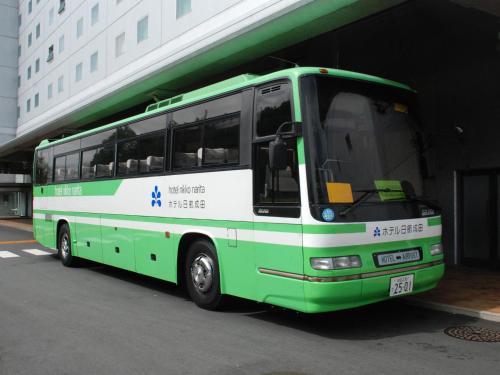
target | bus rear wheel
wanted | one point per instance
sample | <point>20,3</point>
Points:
<point>64,247</point>
<point>202,275</point>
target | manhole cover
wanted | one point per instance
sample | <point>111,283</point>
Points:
<point>471,333</point>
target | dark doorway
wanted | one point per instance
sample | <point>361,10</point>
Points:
<point>479,211</point>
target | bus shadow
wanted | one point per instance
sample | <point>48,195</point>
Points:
<point>373,322</point>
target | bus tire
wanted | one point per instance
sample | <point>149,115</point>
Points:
<point>202,275</point>
<point>64,247</point>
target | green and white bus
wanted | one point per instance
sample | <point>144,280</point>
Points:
<point>301,188</point>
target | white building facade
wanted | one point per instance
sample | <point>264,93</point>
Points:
<point>84,59</point>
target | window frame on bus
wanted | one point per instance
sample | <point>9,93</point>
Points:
<point>245,141</point>
<point>273,209</point>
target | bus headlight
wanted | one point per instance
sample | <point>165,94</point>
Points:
<point>436,249</point>
<point>353,261</point>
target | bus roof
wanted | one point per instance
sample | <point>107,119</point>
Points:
<point>234,83</point>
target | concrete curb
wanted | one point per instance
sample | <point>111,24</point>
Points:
<point>486,315</point>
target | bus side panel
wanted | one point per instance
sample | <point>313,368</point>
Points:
<point>153,255</point>
<point>88,242</point>
<point>118,247</point>
<point>278,290</point>
<point>237,266</point>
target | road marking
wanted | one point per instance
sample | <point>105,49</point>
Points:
<point>17,242</point>
<point>36,252</point>
<point>8,254</point>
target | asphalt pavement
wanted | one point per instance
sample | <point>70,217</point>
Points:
<point>100,320</point>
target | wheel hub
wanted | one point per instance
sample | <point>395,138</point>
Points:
<point>202,273</point>
<point>65,245</point>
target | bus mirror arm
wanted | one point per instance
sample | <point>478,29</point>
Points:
<point>278,155</point>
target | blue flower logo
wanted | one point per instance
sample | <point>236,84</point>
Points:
<point>156,195</point>
<point>376,232</point>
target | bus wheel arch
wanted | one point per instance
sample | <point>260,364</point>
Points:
<point>198,270</point>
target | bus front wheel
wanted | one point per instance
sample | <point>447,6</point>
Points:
<point>64,247</point>
<point>202,275</point>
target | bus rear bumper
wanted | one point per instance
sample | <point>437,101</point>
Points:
<point>339,295</point>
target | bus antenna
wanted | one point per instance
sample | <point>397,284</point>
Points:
<point>285,61</point>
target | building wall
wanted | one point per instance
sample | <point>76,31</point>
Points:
<point>167,37</point>
<point>8,69</point>
<point>177,46</point>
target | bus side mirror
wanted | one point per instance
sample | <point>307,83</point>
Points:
<point>277,154</point>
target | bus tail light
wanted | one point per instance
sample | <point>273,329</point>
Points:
<point>336,263</point>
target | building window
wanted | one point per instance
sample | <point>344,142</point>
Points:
<point>94,14</point>
<point>61,43</point>
<point>142,29</point>
<point>19,50</point>
<point>30,39</point>
<point>29,72</point>
<point>49,91</point>
<point>51,16</point>
<point>37,100</point>
<point>28,105</point>
<point>18,81</point>
<point>183,7</point>
<point>18,112</point>
<point>94,62</point>
<point>120,45</point>
<point>78,72</point>
<point>62,6</point>
<point>37,30</point>
<point>60,84</point>
<point>79,28</point>
<point>37,65</point>
<point>50,57</point>
<point>19,20</point>
<point>30,6</point>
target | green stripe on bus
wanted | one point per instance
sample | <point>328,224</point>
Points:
<point>76,189</point>
<point>269,227</point>
<point>433,221</point>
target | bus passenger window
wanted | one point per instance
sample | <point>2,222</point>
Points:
<point>128,162</point>
<point>66,167</point>
<point>151,154</point>
<point>44,166</point>
<point>59,168</point>
<point>187,142</point>
<point>221,142</point>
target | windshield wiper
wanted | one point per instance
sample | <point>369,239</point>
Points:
<point>367,194</point>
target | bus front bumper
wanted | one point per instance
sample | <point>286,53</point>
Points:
<point>323,294</point>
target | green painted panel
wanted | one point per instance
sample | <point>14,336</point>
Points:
<point>118,247</point>
<point>334,228</point>
<point>94,188</point>
<point>154,255</point>
<point>434,221</point>
<point>88,241</point>
<point>237,267</point>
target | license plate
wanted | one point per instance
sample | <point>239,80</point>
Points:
<point>401,285</point>
<point>397,257</point>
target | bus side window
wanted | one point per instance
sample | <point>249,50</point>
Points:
<point>66,167</point>
<point>274,188</point>
<point>44,166</point>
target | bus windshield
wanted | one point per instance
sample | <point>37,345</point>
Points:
<point>362,134</point>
